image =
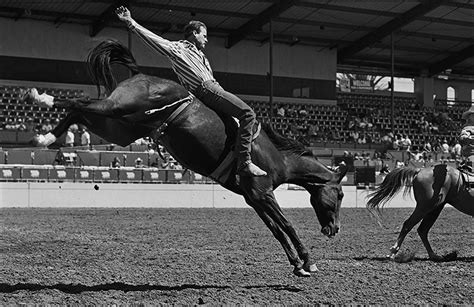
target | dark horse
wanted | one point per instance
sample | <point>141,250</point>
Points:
<point>433,187</point>
<point>201,139</point>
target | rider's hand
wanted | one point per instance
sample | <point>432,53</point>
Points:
<point>123,14</point>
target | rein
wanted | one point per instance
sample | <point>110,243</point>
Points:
<point>161,129</point>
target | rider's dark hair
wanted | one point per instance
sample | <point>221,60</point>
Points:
<point>193,25</point>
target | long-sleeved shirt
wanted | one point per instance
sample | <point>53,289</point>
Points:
<point>188,62</point>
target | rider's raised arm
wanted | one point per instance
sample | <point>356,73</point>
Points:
<point>156,42</point>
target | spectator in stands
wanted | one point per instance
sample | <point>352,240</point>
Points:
<point>416,155</point>
<point>396,144</point>
<point>175,165</point>
<point>405,143</point>
<point>30,125</point>
<point>362,139</point>
<point>291,111</point>
<point>195,73</point>
<point>155,162</point>
<point>355,136</point>
<point>423,125</point>
<point>427,146</point>
<point>85,136</point>
<point>116,163</point>
<point>312,134</point>
<point>46,126</point>
<point>10,124</point>
<point>456,150</point>
<point>399,164</point>
<point>21,125</point>
<point>281,111</point>
<point>302,113</point>
<point>139,163</point>
<point>466,139</point>
<point>445,147</point>
<point>150,148</point>
<point>70,136</point>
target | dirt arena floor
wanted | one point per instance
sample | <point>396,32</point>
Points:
<point>223,256</point>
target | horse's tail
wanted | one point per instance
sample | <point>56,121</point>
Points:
<point>102,57</point>
<point>393,182</point>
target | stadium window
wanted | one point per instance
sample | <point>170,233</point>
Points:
<point>451,93</point>
<point>472,95</point>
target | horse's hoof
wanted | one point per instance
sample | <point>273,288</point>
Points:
<point>301,273</point>
<point>311,268</point>
<point>38,140</point>
<point>28,95</point>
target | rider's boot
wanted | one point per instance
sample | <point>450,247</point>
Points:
<point>252,170</point>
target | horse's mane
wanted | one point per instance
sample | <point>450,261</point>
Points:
<point>285,144</point>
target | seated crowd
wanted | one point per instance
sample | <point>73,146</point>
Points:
<point>355,120</point>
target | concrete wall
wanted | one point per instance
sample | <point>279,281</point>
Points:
<point>38,39</point>
<point>425,88</point>
<point>463,89</point>
<point>67,195</point>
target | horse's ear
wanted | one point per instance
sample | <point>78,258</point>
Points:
<point>341,171</point>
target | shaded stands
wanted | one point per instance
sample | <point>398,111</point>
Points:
<point>329,117</point>
<point>12,107</point>
<point>333,117</point>
<point>407,112</point>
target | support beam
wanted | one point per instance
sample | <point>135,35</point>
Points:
<point>190,9</point>
<point>109,14</point>
<point>452,60</point>
<point>389,27</point>
<point>258,21</point>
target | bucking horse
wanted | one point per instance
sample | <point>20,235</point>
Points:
<point>203,141</point>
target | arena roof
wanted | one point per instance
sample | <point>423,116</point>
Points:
<point>430,37</point>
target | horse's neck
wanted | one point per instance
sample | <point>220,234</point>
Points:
<point>307,168</point>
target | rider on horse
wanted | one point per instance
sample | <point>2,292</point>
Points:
<point>194,72</point>
<point>466,139</point>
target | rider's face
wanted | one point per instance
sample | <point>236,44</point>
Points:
<point>200,38</point>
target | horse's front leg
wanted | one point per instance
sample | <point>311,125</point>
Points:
<point>280,236</point>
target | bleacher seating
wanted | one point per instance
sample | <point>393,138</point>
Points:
<point>93,165</point>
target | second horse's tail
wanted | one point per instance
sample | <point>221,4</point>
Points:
<point>102,57</point>
<point>393,182</point>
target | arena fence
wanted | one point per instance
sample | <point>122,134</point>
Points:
<point>50,173</point>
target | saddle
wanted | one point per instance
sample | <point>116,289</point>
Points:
<point>228,165</point>
<point>468,176</point>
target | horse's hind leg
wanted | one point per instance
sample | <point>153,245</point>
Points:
<point>61,127</point>
<point>425,227</point>
<point>106,107</point>
<point>414,219</point>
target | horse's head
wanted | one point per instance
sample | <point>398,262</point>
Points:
<point>326,200</point>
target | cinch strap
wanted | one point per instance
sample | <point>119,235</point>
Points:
<point>161,129</point>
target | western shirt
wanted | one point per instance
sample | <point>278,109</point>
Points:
<point>187,61</point>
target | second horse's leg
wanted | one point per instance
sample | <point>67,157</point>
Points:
<point>414,219</point>
<point>425,227</point>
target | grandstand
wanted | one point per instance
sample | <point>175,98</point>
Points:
<point>303,79</point>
